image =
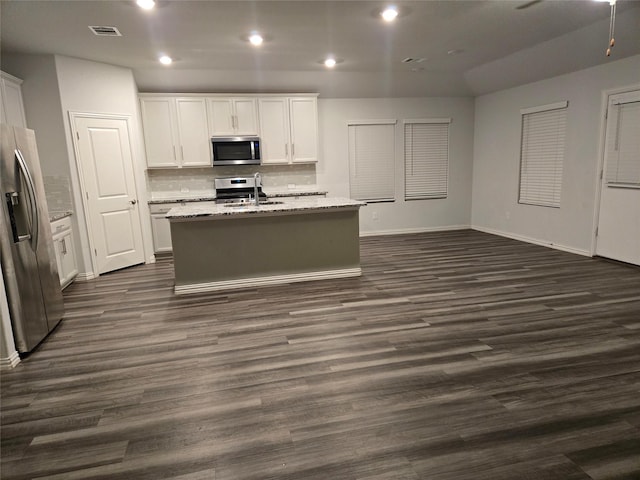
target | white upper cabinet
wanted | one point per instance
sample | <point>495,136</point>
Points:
<point>232,116</point>
<point>194,135</point>
<point>177,128</point>
<point>304,129</point>
<point>274,130</point>
<point>12,105</point>
<point>289,129</point>
<point>175,131</point>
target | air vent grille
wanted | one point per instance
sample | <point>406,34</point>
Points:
<point>413,60</point>
<point>105,31</point>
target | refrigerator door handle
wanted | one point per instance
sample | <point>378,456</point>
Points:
<point>35,220</point>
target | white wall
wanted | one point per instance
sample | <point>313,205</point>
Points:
<point>497,156</point>
<point>8,353</point>
<point>332,172</point>
<point>90,87</point>
<point>43,110</point>
<point>55,85</point>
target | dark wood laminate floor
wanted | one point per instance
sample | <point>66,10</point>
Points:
<point>457,355</point>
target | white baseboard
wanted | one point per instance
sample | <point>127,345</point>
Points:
<point>535,241</point>
<point>404,231</point>
<point>10,362</point>
<point>267,280</point>
<point>83,277</point>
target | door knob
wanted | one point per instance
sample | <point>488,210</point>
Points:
<point>133,202</point>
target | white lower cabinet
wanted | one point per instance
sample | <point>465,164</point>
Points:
<point>65,250</point>
<point>160,226</point>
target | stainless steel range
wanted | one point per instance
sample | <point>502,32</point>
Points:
<point>239,189</point>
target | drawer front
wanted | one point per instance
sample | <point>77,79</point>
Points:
<point>162,208</point>
<point>61,225</point>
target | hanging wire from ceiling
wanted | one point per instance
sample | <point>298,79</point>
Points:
<point>612,27</point>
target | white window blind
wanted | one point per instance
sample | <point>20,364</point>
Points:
<point>371,160</point>
<point>426,158</point>
<point>623,145</point>
<point>542,154</point>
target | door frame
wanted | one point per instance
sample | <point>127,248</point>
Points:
<point>604,107</point>
<point>139,182</point>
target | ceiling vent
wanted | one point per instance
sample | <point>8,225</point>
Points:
<point>105,31</point>
<point>413,60</point>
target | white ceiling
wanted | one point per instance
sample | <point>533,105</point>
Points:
<point>500,46</point>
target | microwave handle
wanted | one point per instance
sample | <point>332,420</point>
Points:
<point>253,150</point>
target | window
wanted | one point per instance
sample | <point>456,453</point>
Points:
<point>623,143</point>
<point>426,158</point>
<point>542,154</point>
<point>371,160</point>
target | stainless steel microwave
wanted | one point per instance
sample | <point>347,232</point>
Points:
<point>235,150</point>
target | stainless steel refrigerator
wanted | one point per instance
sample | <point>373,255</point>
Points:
<point>28,257</point>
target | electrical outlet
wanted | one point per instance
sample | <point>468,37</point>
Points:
<point>291,186</point>
<point>184,190</point>
<point>507,214</point>
<point>374,215</point>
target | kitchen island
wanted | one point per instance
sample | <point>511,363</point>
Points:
<point>217,246</point>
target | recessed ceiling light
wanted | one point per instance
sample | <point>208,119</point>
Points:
<point>256,39</point>
<point>389,14</point>
<point>146,4</point>
<point>330,62</point>
<point>165,60</point>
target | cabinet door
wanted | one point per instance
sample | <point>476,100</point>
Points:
<point>161,233</point>
<point>304,130</point>
<point>160,132</point>
<point>12,105</point>
<point>194,132</point>
<point>274,130</point>
<point>246,118</point>
<point>57,246</point>
<point>220,116</point>
<point>68,267</point>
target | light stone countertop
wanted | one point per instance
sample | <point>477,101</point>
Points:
<point>202,198</point>
<point>293,192</point>
<point>53,216</point>
<point>293,206</point>
<point>270,192</point>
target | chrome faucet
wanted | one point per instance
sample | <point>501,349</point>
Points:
<point>256,196</point>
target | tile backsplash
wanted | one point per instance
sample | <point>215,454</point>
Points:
<point>58,192</point>
<point>163,183</point>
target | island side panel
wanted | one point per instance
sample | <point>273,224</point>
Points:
<point>242,247</point>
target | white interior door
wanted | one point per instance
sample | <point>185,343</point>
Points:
<point>114,222</point>
<point>618,234</point>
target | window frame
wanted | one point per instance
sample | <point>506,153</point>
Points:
<point>443,188</point>
<point>535,189</point>
<point>387,176</point>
